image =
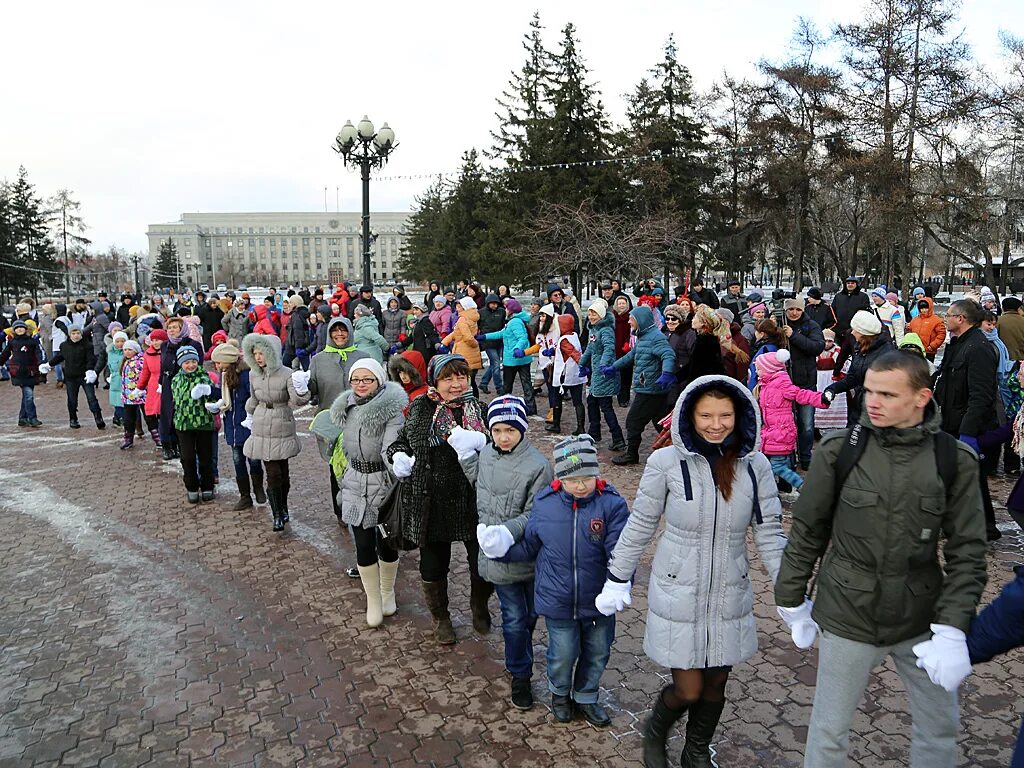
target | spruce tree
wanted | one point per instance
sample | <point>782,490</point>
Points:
<point>167,269</point>
<point>422,256</point>
<point>33,251</point>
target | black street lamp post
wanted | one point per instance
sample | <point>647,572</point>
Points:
<point>360,145</point>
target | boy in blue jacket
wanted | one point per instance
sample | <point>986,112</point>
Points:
<point>573,528</point>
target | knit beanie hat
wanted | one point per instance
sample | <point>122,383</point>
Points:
<point>797,303</point>
<point>768,363</point>
<point>866,323</point>
<point>437,365</point>
<point>185,353</point>
<point>829,334</point>
<point>919,291</point>
<point>159,335</point>
<point>19,324</point>
<point>133,345</point>
<point>467,303</point>
<point>814,293</point>
<point>120,335</point>
<point>548,309</point>
<point>440,299</point>
<point>114,327</point>
<point>600,307</point>
<point>370,365</point>
<point>912,340</point>
<point>987,295</point>
<point>296,301</point>
<point>755,307</point>
<point>880,292</point>
<point>225,353</point>
<point>576,457</point>
<point>507,409</point>
<point>362,311</point>
<point>726,314</point>
<point>513,306</point>
<point>76,328</point>
<point>892,296</point>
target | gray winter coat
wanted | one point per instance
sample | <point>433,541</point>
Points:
<point>235,324</point>
<point>367,431</point>
<point>700,601</point>
<point>270,403</point>
<point>98,328</point>
<point>505,486</point>
<point>394,324</point>
<point>328,371</point>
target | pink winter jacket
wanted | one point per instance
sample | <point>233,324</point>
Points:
<point>776,394</point>
<point>442,320</point>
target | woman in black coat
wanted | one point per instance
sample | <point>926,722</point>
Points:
<point>438,502</point>
<point>22,354</point>
<point>869,343</point>
<point>425,339</point>
<point>682,338</point>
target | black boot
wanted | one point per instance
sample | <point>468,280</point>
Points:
<point>273,494</point>
<point>656,731</point>
<point>244,493</point>
<point>700,729</point>
<point>436,595</point>
<point>74,423</point>
<point>581,420</point>
<point>167,453</point>
<point>100,423</point>
<point>522,693</point>
<point>257,488</point>
<point>283,491</point>
<point>631,456</point>
<point>479,593</point>
<point>561,708</point>
<point>556,420</point>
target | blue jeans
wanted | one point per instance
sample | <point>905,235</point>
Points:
<point>518,619</point>
<point>244,465</point>
<point>493,369</point>
<point>781,468</point>
<point>28,404</point>
<point>804,431</point>
<point>585,645</point>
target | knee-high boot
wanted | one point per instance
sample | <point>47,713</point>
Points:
<point>388,577</point>
<point>436,595</point>
<point>284,501</point>
<point>656,731</point>
<point>556,420</point>
<point>257,487</point>
<point>581,420</point>
<point>479,593</point>
<point>700,730</point>
<point>244,493</point>
<point>274,496</point>
<point>370,576</point>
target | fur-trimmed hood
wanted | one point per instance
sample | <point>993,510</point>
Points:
<point>269,345</point>
<point>389,401</point>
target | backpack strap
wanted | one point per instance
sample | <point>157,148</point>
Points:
<point>756,495</point>
<point>946,459</point>
<point>849,455</point>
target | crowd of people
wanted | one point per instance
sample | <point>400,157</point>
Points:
<point>835,407</point>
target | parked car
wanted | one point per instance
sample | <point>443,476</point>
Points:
<point>221,288</point>
<point>204,287</point>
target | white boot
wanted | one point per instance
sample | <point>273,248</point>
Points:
<point>388,576</point>
<point>370,576</point>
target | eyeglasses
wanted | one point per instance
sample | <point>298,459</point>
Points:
<point>579,482</point>
<point>671,319</point>
<point>364,382</point>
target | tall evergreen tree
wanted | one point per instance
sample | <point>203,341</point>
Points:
<point>7,253</point>
<point>422,257</point>
<point>167,270</point>
<point>33,250</point>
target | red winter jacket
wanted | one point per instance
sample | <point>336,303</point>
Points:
<point>149,380</point>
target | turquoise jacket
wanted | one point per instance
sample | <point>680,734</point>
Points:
<point>650,357</point>
<point>601,351</point>
<point>513,336</point>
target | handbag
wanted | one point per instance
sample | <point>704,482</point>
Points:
<point>389,518</point>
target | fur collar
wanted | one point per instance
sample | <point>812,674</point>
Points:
<point>270,346</point>
<point>374,415</point>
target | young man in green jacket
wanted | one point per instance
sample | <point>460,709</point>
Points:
<point>881,590</point>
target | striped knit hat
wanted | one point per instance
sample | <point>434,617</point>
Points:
<point>507,409</point>
<point>576,457</point>
<point>437,365</point>
<point>184,353</point>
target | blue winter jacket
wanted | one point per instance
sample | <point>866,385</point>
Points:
<point>234,433</point>
<point>572,540</point>
<point>997,629</point>
<point>752,369</point>
<point>650,357</point>
<point>601,351</point>
<point>513,336</point>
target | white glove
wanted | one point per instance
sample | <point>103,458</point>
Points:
<point>494,540</point>
<point>614,597</point>
<point>403,463</point>
<point>200,391</point>
<point>466,442</point>
<point>300,380</point>
<point>801,626</point>
<point>214,408</point>
<point>159,388</point>
<point>247,422</point>
<point>945,657</point>
<point>90,377</point>
<point>44,368</point>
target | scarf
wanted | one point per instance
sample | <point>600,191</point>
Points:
<point>444,421</point>
<point>177,337</point>
<point>342,352</point>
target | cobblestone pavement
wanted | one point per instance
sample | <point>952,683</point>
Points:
<point>139,630</point>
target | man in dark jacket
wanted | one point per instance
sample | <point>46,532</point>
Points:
<point>124,316</point>
<point>881,590</point>
<point>701,295</point>
<point>492,318</point>
<point>366,298</point>
<point>806,342</point>
<point>210,316</point>
<point>81,371</point>
<point>819,310</point>
<point>562,307</point>
<point>846,304</point>
<point>967,391</point>
<point>735,301</point>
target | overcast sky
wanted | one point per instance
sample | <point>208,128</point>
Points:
<point>146,110</point>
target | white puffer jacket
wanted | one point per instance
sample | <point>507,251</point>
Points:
<point>700,601</point>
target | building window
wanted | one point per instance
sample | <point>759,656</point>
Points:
<point>305,230</point>
<point>263,241</point>
<point>219,242</point>
<point>316,229</point>
<point>295,230</point>
<point>251,231</point>
<point>207,242</point>
<point>305,241</point>
<point>295,241</point>
<point>318,239</point>
<point>273,241</point>
<point>252,242</point>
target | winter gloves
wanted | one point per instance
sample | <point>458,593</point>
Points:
<point>444,350</point>
<point>549,352</point>
<point>200,391</point>
<point>392,349</point>
<point>518,353</point>
<point>945,657</point>
<point>44,368</point>
<point>300,380</point>
<point>666,380</point>
<point>403,464</point>
<point>90,377</point>
<point>494,540</point>
<point>828,395</point>
<point>585,371</point>
<point>614,597</point>
<point>801,626</point>
<point>480,337</point>
<point>247,422</point>
<point>214,408</point>
<point>466,442</point>
<point>608,370</point>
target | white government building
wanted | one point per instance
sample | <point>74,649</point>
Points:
<point>274,249</point>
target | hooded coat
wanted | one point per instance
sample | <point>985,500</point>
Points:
<point>149,380</point>
<point>414,366</point>
<point>367,431</point>
<point>932,329</point>
<point>114,357</point>
<point>491,320</point>
<point>22,356</point>
<point>394,321</point>
<point>461,340</point>
<point>270,402</point>
<point>515,335</point>
<point>700,600</point>
<point>650,357</point>
<point>328,371</point>
<point>367,338</point>
<point>600,351</point>
<point>442,320</point>
<point>425,338</point>
<point>236,324</point>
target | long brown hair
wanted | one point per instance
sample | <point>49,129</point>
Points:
<point>725,469</point>
<point>229,378</point>
<point>771,332</point>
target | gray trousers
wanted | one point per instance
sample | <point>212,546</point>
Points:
<point>844,667</point>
